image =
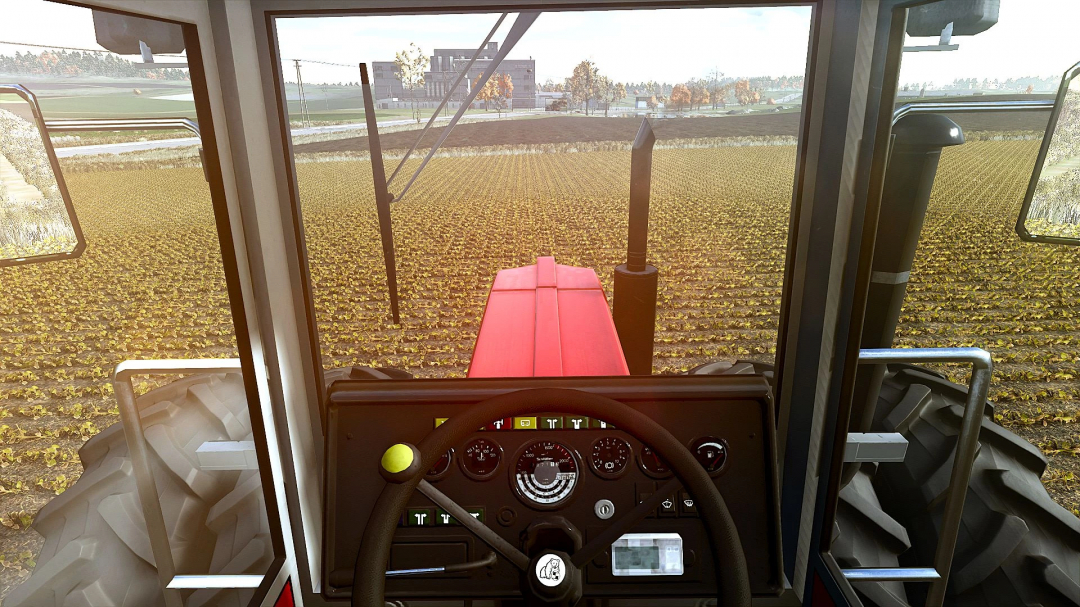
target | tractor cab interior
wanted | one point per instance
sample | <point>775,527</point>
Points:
<point>496,349</point>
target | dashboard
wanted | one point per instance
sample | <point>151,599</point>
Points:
<point>553,481</point>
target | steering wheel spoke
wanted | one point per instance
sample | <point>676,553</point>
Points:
<point>479,529</point>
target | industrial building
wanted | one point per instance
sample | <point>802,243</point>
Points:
<point>445,66</point>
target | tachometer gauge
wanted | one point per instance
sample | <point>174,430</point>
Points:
<point>710,452</point>
<point>480,458</point>
<point>609,456</point>
<point>545,474</point>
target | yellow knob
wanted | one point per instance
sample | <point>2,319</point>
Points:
<point>397,458</point>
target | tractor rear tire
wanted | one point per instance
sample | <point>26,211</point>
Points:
<point>863,534</point>
<point>96,549</point>
<point>1016,545</point>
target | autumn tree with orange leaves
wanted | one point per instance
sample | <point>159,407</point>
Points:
<point>745,94</point>
<point>680,96</point>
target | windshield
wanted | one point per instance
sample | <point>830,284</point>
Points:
<point>538,166</point>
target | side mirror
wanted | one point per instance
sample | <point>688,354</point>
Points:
<point>37,221</point>
<point>1051,211</point>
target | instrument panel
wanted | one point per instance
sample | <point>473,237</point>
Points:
<point>517,472</point>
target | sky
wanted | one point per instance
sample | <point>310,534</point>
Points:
<point>627,46</point>
<point>1033,37</point>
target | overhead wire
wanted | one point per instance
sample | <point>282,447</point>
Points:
<point>356,65</point>
<point>84,50</point>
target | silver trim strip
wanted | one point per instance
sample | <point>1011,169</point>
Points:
<point>400,572</point>
<point>186,582</point>
<point>891,574</point>
<point>946,107</point>
<point>123,124</point>
<point>890,278</point>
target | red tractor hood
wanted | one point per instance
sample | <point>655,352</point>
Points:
<point>547,320</point>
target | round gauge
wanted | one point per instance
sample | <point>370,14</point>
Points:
<point>441,467</point>
<point>545,474</point>
<point>652,464</point>
<point>609,456</point>
<point>481,458</point>
<point>711,453</point>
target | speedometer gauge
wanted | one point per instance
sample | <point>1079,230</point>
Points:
<point>481,458</point>
<point>545,474</point>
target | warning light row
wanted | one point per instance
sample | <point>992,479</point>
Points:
<point>541,422</point>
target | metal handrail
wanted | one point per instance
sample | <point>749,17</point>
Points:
<point>966,448</point>
<point>171,583</point>
<point>945,107</point>
<point>123,124</point>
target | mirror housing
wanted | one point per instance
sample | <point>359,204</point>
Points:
<point>1051,209</point>
<point>968,17</point>
<point>37,219</point>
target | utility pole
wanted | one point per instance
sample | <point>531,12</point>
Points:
<point>304,118</point>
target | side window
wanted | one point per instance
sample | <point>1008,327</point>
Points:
<point>974,282</point>
<point>150,285</point>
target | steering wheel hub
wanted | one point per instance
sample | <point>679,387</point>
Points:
<point>553,579</point>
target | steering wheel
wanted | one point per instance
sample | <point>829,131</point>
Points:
<point>369,579</point>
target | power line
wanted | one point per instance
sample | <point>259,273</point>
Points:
<point>356,65</point>
<point>85,50</point>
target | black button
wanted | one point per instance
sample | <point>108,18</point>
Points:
<point>687,506</point>
<point>419,517</point>
<point>506,516</point>
<point>643,491</point>
<point>668,507</point>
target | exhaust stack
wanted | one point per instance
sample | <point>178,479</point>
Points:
<point>636,281</point>
<point>916,150</point>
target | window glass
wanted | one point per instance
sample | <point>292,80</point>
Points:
<point>974,282</point>
<point>149,285</point>
<point>542,169</point>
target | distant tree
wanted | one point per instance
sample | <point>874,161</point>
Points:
<point>411,64</point>
<point>583,84</point>
<point>699,93</point>
<point>746,94</point>
<point>652,103</point>
<point>64,64</point>
<point>1030,89</point>
<point>610,92</point>
<point>504,91</point>
<point>718,94</point>
<point>657,93</point>
<point>488,92</point>
<point>680,96</point>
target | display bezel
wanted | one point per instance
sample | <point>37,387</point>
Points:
<point>661,542</point>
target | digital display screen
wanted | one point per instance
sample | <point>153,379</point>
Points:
<point>637,557</point>
<point>637,554</point>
